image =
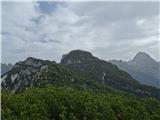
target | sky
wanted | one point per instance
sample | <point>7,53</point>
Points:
<point>109,30</point>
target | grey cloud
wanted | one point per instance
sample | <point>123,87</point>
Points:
<point>116,10</point>
<point>108,29</point>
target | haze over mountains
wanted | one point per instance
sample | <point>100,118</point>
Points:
<point>143,68</point>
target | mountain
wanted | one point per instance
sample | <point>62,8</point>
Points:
<point>82,87</point>
<point>34,72</point>
<point>78,69</point>
<point>146,64</point>
<point>143,68</point>
<point>105,73</point>
<point>5,67</point>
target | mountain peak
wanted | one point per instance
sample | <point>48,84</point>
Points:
<point>142,59</point>
<point>141,55</point>
<point>30,58</point>
<point>31,61</point>
<point>80,52</point>
<point>77,56</point>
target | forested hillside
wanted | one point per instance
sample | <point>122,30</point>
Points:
<point>65,103</point>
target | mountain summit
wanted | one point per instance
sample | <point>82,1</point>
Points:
<point>142,55</point>
<point>142,58</point>
<point>77,56</point>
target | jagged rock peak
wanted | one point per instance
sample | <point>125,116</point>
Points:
<point>77,56</point>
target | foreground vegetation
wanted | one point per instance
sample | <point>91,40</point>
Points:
<point>66,103</point>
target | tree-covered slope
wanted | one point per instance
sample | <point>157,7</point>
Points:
<point>65,103</point>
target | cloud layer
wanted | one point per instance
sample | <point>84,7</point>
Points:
<point>110,30</point>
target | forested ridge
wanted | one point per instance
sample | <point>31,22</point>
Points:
<point>67,103</point>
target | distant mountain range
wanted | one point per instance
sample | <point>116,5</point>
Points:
<point>143,68</point>
<point>79,69</point>
<point>5,67</point>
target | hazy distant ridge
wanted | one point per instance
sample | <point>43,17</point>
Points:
<point>142,68</point>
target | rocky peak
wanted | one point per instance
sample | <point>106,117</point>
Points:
<point>142,55</point>
<point>142,58</point>
<point>31,61</point>
<point>77,56</point>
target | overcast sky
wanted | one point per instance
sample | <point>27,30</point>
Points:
<point>110,30</point>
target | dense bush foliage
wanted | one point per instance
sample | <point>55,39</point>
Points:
<point>66,103</point>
